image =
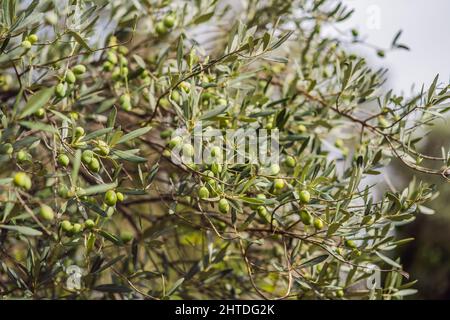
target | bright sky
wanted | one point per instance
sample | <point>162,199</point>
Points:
<point>426,30</point>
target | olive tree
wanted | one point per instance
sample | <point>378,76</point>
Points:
<point>94,205</point>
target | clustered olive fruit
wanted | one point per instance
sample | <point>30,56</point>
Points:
<point>305,196</point>
<point>306,217</point>
<point>63,160</point>
<point>46,212</point>
<point>203,192</point>
<point>125,102</point>
<point>224,206</point>
<point>110,198</point>
<point>290,162</point>
<point>22,180</point>
<point>162,27</point>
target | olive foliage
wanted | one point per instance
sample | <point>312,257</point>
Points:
<point>91,92</point>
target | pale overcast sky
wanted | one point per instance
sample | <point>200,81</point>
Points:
<point>426,30</point>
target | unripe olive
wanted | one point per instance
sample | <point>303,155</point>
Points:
<point>175,142</point>
<point>26,44</point>
<point>318,224</point>
<point>32,38</point>
<point>66,226</point>
<point>216,151</point>
<point>305,196</point>
<point>120,196</point>
<point>22,156</point>
<point>22,180</point>
<point>262,212</point>
<point>123,61</point>
<point>70,77</point>
<point>107,66</point>
<point>224,206</point>
<point>40,113</point>
<point>111,57</point>
<point>165,134</point>
<point>350,244</point>
<point>290,161</point>
<point>7,148</point>
<point>188,150</point>
<point>102,148</point>
<point>339,143</point>
<point>89,224</point>
<point>340,293</point>
<point>60,90</point>
<point>274,169</point>
<point>51,18</point>
<point>110,198</point>
<point>63,191</point>
<point>63,160</point>
<point>94,165</point>
<point>278,184</point>
<point>175,96</point>
<point>160,28</point>
<point>203,192</point>
<point>301,128</point>
<point>87,156</point>
<point>79,69</point>
<point>306,217</point>
<point>77,228</point>
<point>46,213</point>
<point>169,21</point>
<point>216,168</point>
<point>79,132</point>
<point>381,53</point>
<point>126,236</point>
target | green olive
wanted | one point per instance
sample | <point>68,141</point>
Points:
<point>175,96</point>
<point>79,132</point>
<point>165,134</point>
<point>318,224</point>
<point>63,191</point>
<point>70,77</point>
<point>60,90</point>
<point>339,143</point>
<point>22,180</point>
<point>7,148</point>
<point>224,206</point>
<point>216,168</point>
<point>46,212</point>
<point>107,66</point>
<point>188,150</point>
<point>290,162</point>
<point>216,151</point>
<point>22,156</point>
<point>350,244</point>
<point>125,102</point>
<point>301,128</point>
<point>120,196</point>
<point>203,192</point>
<point>87,156</point>
<point>126,236</point>
<point>306,217</point>
<point>40,113</point>
<point>278,184</point>
<point>66,226</point>
<point>26,44</point>
<point>111,57</point>
<point>89,224</point>
<point>160,28</point>
<point>63,160</point>
<point>169,21</point>
<point>340,293</point>
<point>110,198</point>
<point>175,142</point>
<point>33,38</point>
<point>79,69</point>
<point>274,169</point>
<point>94,165</point>
<point>305,196</point>
<point>77,228</point>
